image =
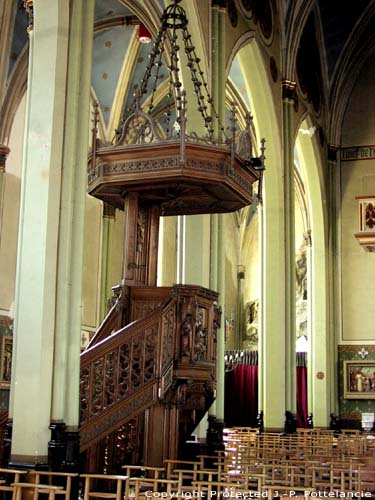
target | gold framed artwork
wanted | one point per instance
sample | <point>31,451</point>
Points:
<point>359,379</point>
<point>6,361</point>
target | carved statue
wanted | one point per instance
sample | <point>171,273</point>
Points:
<point>251,334</point>
<point>301,273</point>
<point>301,292</point>
<point>186,334</point>
<point>200,343</point>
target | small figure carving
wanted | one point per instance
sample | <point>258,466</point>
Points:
<point>200,343</point>
<point>186,333</point>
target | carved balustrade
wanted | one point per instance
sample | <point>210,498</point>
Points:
<point>172,335</point>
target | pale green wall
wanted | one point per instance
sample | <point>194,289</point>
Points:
<point>91,263</point>
<point>167,251</point>
<point>357,179</point>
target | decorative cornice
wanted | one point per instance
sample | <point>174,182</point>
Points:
<point>354,348</point>
<point>4,151</point>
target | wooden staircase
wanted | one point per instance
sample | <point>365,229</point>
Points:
<point>161,364</point>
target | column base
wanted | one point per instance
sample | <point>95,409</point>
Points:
<point>28,462</point>
<point>7,443</point>
<point>72,456</point>
<point>57,446</point>
<point>290,426</point>
<point>215,430</point>
<point>63,448</point>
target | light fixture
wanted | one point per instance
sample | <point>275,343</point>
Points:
<point>144,36</point>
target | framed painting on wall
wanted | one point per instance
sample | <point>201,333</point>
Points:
<point>6,361</point>
<point>359,379</point>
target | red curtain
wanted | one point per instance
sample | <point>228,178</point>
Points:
<point>301,389</point>
<point>241,396</point>
<point>241,391</point>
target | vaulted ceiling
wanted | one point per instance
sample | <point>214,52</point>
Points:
<point>119,61</point>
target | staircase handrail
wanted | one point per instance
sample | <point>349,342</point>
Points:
<point>108,367</point>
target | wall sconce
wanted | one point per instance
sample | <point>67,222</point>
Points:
<point>144,36</point>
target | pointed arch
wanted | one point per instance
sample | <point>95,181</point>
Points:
<point>271,231</point>
<point>320,345</point>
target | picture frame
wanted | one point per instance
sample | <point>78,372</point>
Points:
<point>6,361</point>
<point>359,379</point>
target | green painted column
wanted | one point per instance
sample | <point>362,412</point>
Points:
<point>108,222</point>
<point>332,267</point>
<point>261,324</point>
<point>213,273</point>
<point>288,89</point>
<point>310,295</point>
<point>196,269</point>
<point>36,276</point>
<point>220,103</point>
<point>65,402</point>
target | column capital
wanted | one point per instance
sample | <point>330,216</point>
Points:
<point>28,5</point>
<point>288,92</point>
<point>332,152</point>
<point>4,151</point>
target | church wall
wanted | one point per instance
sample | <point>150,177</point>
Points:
<point>118,244</point>
<point>167,251</point>
<point>356,178</point>
<point>91,264</point>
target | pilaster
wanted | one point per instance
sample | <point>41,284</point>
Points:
<point>218,221</point>
<point>332,266</point>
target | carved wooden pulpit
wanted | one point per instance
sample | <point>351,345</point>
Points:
<point>148,374</point>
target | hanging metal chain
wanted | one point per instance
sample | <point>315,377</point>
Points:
<point>173,22</point>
